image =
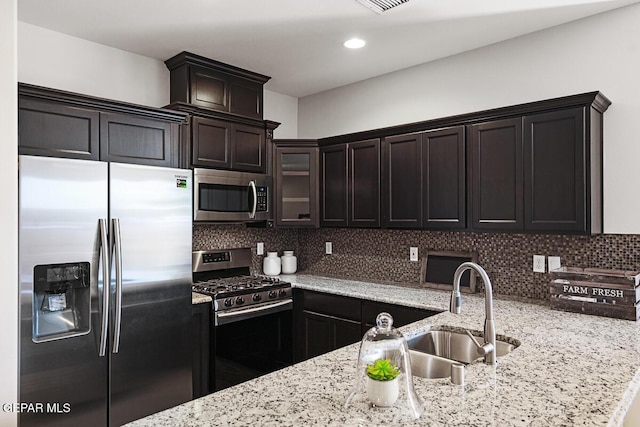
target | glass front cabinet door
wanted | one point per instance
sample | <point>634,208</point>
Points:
<point>296,197</point>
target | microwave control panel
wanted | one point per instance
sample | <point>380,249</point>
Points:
<point>262,199</point>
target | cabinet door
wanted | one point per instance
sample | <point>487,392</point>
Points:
<point>245,98</point>
<point>296,187</point>
<point>364,183</point>
<point>333,186</point>
<point>55,130</point>
<point>402,182</point>
<point>444,179</point>
<point>201,357</point>
<point>497,175</point>
<point>316,335</point>
<point>554,171</point>
<point>209,89</point>
<point>210,143</point>
<point>128,139</point>
<point>248,147</point>
<point>344,332</point>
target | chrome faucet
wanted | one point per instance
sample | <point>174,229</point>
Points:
<point>488,349</point>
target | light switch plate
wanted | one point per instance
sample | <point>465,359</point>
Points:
<point>554,263</point>
<point>260,248</point>
<point>539,263</point>
<point>328,248</point>
<point>413,253</point>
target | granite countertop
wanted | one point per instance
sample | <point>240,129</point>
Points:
<point>197,298</point>
<point>570,369</point>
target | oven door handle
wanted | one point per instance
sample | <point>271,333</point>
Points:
<point>248,313</point>
<point>252,184</point>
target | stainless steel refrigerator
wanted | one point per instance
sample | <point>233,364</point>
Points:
<point>105,291</point>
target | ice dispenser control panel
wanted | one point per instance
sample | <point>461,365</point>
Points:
<point>61,301</point>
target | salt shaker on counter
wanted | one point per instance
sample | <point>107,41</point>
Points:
<point>289,263</point>
<point>271,264</point>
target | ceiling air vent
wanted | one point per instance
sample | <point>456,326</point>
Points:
<point>379,6</point>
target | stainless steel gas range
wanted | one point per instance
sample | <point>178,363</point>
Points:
<point>252,331</point>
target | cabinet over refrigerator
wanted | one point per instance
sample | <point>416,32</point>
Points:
<point>105,290</point>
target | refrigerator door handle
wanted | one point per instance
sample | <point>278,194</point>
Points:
<point>252,184</point>
<point>104,254</point>
<point>118,301</point>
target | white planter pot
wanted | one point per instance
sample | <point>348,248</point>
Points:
<point>383,393</point>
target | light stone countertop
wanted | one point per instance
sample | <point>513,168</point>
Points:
<point>197,298</point>
<point>570,369</point>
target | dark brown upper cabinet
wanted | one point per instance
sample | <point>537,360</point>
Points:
<point>296,183</point>
<point>558,185</point>
<point>424,180</point>
<point>128,139</point>
<point>444,179</point>
<point>216,86</point>
<point>221,144</point>
<point>53,129</point>
<point>333,186</point>
<point>55,123</point>
<point>402,182</point>
<point>496,175</point>
<point>364,183</point>
<point>534,167</point>
<point>350,184</point>
<point>226,106</point>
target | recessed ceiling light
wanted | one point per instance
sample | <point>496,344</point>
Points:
<point>354,43</point>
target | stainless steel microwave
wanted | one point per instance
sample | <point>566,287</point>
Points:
<point>230,196</point>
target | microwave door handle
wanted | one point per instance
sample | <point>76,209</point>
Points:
<point>106,286</point>
<point>252,184</point>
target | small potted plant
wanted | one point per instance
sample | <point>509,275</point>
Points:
<point>382,382</point>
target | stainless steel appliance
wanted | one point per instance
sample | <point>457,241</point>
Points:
<point>230,196</point>
<point>105,298</point>
<point>252,329</point>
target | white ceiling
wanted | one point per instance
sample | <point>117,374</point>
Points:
<point>299,42</point>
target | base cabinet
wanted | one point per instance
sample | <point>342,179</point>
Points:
<point>325,322</point>
<point>201,342</point>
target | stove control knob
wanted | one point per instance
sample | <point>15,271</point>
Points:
<point>228,302</point>
<point>239,301</point>
<point>272,294</point>
<point>282,293</point>
<point>256,297</point>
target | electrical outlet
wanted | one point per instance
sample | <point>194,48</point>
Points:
<point>328,248</point>
<point>260,248</point>
<point>554,263</point>
<point>539,263</point>
<point>413,253</point>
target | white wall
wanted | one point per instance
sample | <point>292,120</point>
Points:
<point>8,210</point>
<point>56,60</point>
<point>283,109</point>
<point>596,53</point>
<point>51,59</point>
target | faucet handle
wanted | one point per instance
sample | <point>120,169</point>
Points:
<point>482,350</point>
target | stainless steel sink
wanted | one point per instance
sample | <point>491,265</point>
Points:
<point>433,352</point>
<point>429,366</point>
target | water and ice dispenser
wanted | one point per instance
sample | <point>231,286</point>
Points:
<point>61,301</point>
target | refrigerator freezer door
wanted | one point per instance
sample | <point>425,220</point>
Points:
<point>61,203</point>
<point>151,367</point>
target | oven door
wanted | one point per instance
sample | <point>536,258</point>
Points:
<point>252,346</point>
<point>229,196</point>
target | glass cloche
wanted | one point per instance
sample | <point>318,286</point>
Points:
<point>383,375</point>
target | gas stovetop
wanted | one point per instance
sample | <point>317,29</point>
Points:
<point>238,285</point>
<point>223,275</point>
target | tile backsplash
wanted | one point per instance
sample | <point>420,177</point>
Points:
<point>383,255</point>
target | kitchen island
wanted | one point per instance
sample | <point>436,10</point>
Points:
<point>570,369</point>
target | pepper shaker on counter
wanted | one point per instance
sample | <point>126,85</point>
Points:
<point>289,263</point>
<point>271,264</point>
